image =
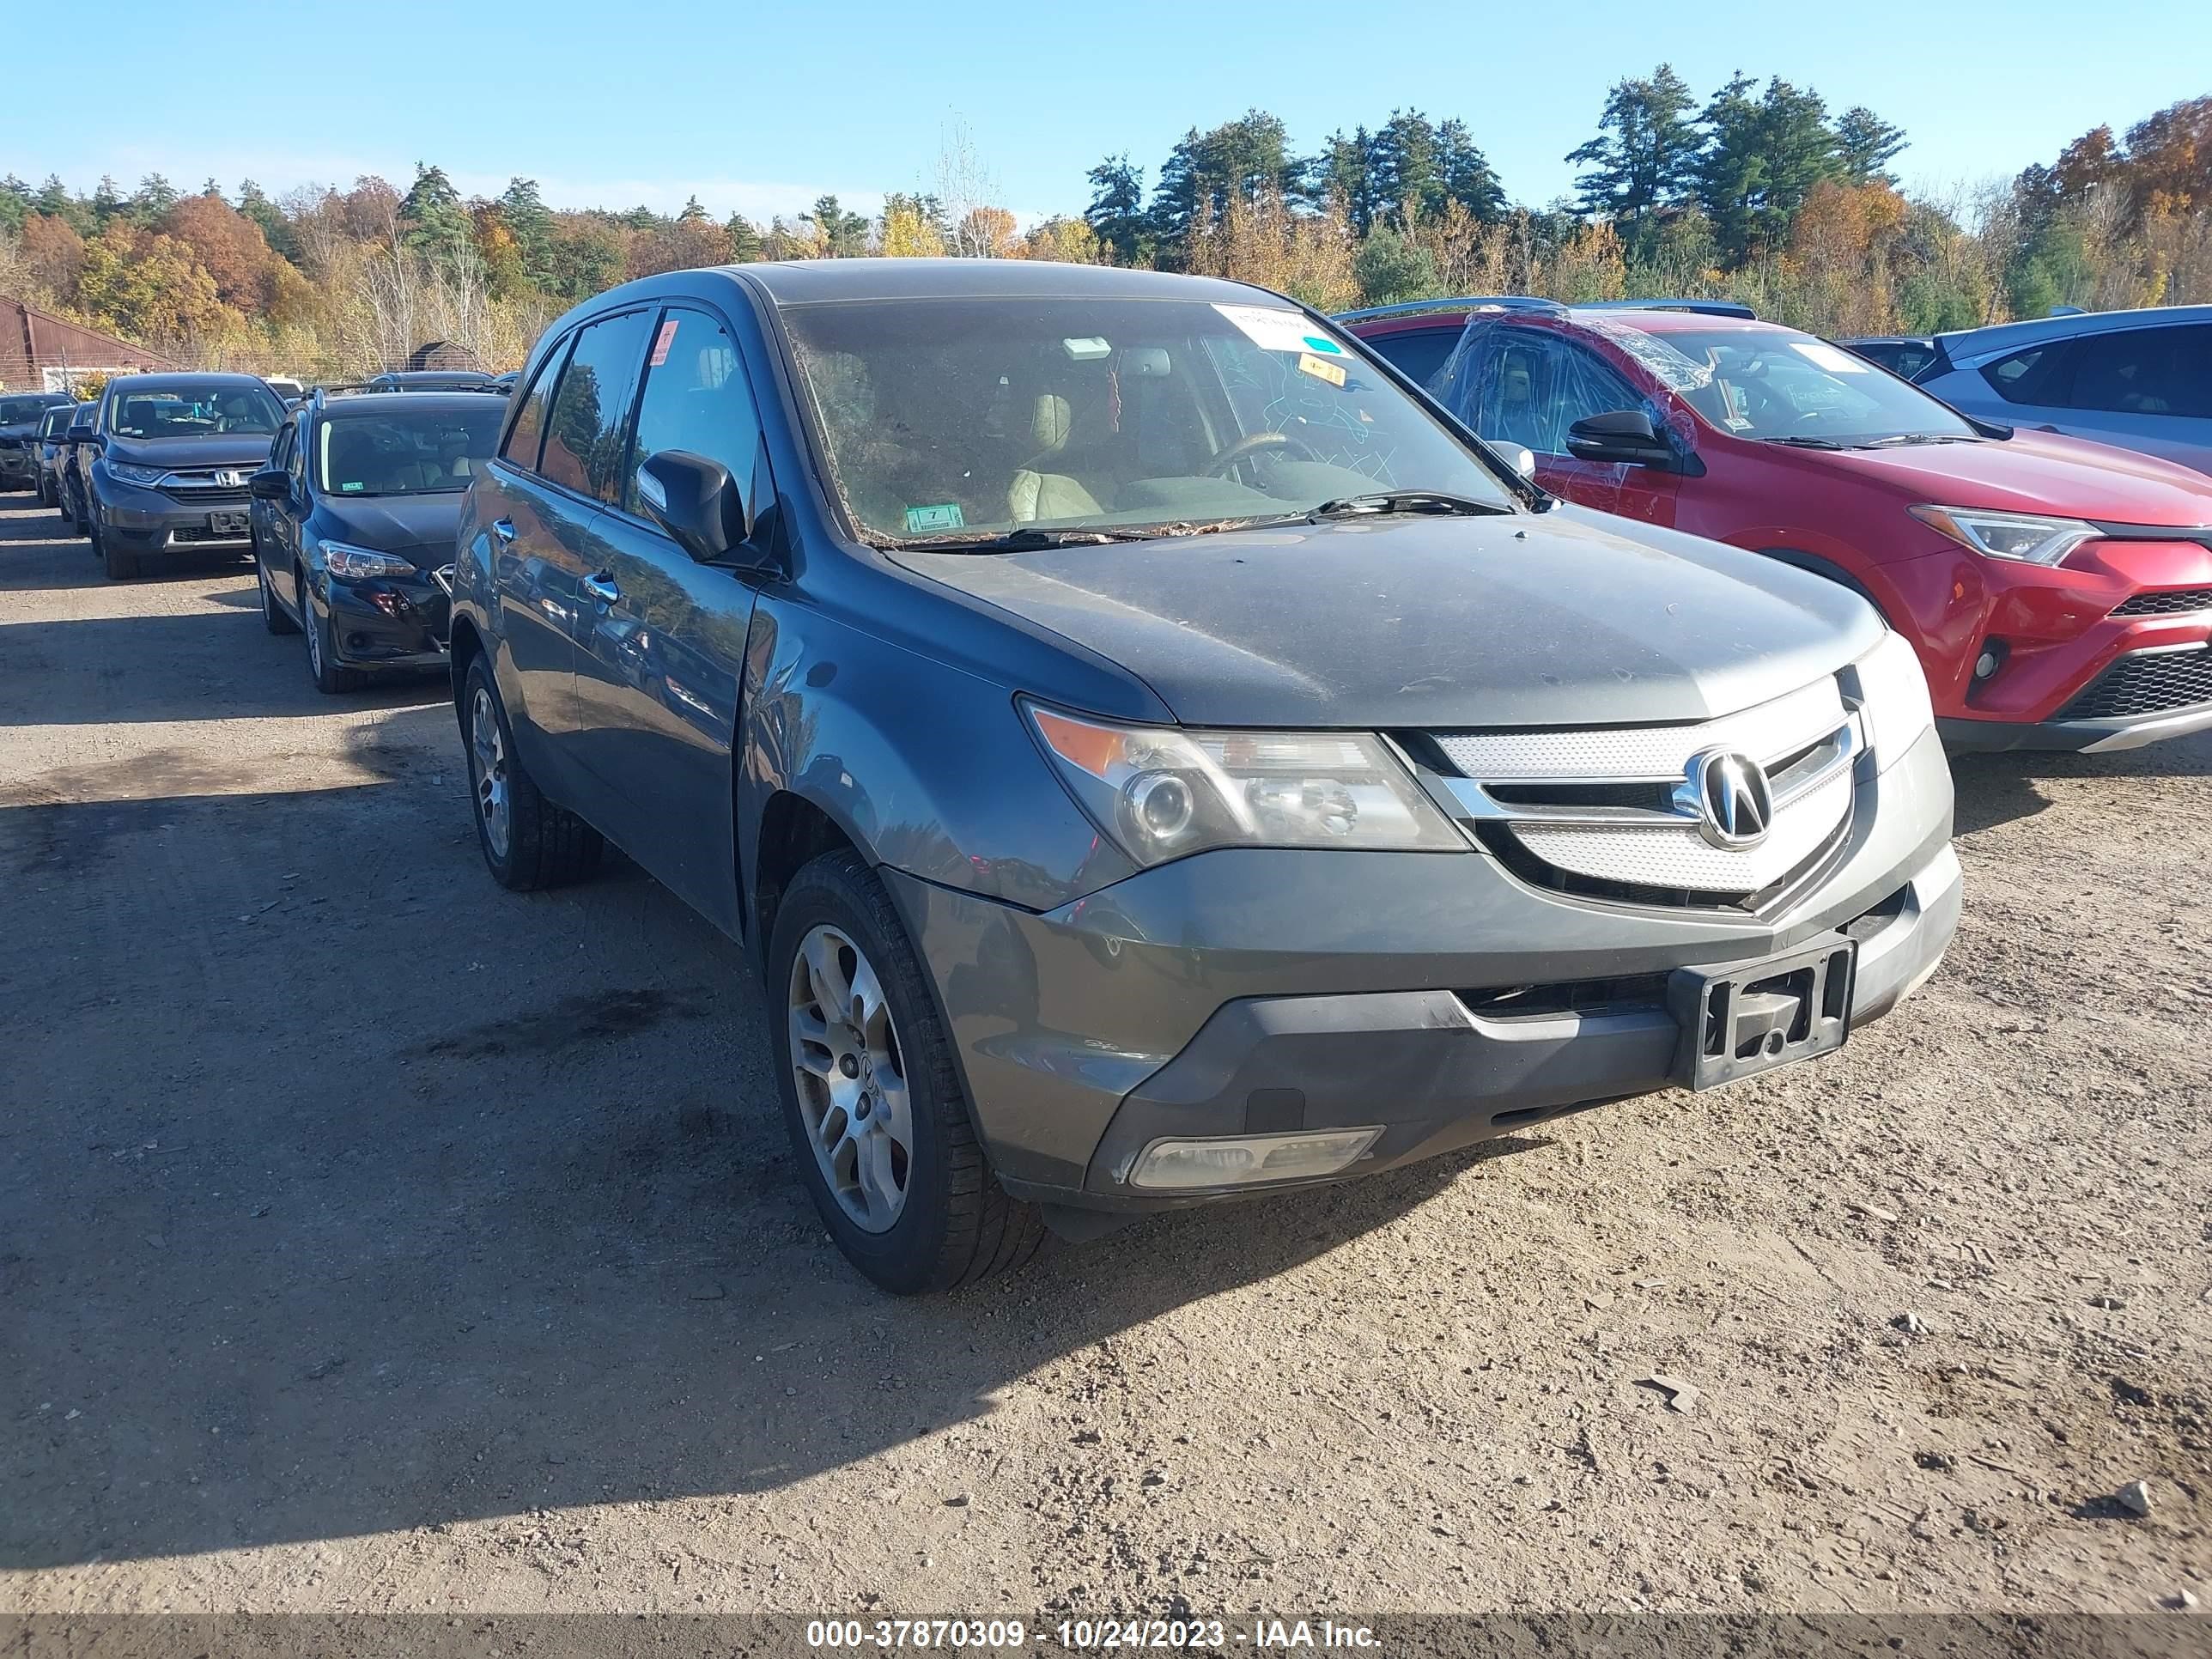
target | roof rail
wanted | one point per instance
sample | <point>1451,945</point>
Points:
<point>1707,307</point>
<point>1464,302</point>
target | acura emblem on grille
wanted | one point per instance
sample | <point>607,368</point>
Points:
<point>1729,794</point>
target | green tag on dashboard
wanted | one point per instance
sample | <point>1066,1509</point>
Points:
<point>946,517</point>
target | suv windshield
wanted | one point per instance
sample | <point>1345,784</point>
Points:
<point>1775,383</point>
<point>410,453</point>
<point>13,410</point>
<point>945,419</point>
<point>186,409</point>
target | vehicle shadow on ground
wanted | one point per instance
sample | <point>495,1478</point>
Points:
<point>359,1196</point>
<point>1999,789</point>
<point>196,665</point>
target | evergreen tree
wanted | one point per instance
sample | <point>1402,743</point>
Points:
<point>1641,158</point>
<point>1406,182</point>
<point>693,213</point>
<point>154,197</point>
<point>843,235</point>
<point>744,240</point>
<point>1865,144</point>
<point>1344,172</point>
<point>1116,213</point>
<point>1467,174</point>
<point>276,228</point>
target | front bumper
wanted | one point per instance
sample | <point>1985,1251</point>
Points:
<point>17,467</point>
<point>392,624</point>
<point>2063,636</point>
<point>1255,991</point>
<point>147,521</point>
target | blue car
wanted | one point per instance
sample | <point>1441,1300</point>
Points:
<point>2142,379</point>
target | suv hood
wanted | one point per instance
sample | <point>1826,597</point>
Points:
<point>213,451</point>
<point>423,528</point>
<point>1565,618</point>
<point>2035,472</point>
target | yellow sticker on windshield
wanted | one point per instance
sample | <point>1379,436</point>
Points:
<point>1310,364</point>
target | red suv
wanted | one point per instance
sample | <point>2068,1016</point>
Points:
<point>2059,592</point>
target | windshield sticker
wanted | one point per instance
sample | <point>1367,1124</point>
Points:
<point>1314,343</point>
<point>1271,330</point>
<point>946,516</point>
<point>1821,355</point>
<point>666,339</point>
<point>1310,364</point>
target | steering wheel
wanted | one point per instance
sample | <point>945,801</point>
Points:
<point>1245,448</point>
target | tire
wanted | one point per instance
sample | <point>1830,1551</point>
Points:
<point>546,845</point>
<point>272,614</point>
<point>330,679</point>
<point>121,564</point>
<point>80,518</point>
<point>953,1225</point>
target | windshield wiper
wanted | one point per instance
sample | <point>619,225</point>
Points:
<point>1916,438</point>
<point>1406,500</point>
<point>1016,541</point>
<point>1802,443</point>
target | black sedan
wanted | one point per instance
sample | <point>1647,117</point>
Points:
<point>353,524</point>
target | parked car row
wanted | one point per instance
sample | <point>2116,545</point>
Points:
<point>1155,754</point>
<point>2058,591</point>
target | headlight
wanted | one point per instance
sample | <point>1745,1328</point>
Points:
<point>1892,694</point>
<point>131,472</point>
<point>1159,792</point>
<point>354,564</point>
<point>2023,536</point>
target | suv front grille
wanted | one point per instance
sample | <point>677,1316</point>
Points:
<point>2151,683</point>
<point>2174,602</point>
<point>1604,812</point>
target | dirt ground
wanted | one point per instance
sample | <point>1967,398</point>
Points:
<point>371,1238</point>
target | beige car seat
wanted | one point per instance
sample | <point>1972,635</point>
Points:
<point>1036,493</point>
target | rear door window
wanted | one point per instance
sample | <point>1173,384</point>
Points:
<point>587,424</point>
<point>2142,371</point>
<point>1416,353</point>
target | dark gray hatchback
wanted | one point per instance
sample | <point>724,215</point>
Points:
<point>1156,756</point>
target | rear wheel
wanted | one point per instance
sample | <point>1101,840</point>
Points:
<point>871,1097</point>
<point>527,841</point>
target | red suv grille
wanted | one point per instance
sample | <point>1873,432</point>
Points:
<point>2168,604</point>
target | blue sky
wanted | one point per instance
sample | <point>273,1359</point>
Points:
<point>760,109</point>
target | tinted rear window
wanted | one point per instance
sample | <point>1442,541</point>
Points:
<point>1417,354</point>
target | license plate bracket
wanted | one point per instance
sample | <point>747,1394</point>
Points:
<point>1740,1019</point>
<point>227,524</point>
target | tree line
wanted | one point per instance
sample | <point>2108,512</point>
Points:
<point>1755,191</point>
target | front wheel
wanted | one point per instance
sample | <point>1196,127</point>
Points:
<point>272,614</point>
<point>120,563</point>
<point>322,668</point>
<point>871,1097</point>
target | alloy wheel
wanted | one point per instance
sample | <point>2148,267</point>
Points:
<point>314,637</point>
<point>851,1077</point>
<point>488,756</point>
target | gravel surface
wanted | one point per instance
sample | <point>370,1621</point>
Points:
<point>372,1238</point>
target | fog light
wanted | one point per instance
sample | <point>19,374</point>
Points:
<point>1985,665</point>
<point>1238,1160</point>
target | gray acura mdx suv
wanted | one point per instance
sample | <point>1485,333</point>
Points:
<point>1153,753</point>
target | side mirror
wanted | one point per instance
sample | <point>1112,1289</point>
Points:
<point>1625,434</point>
<point>272,484</point>
<point>1519,457</point>
<point>696,501</point>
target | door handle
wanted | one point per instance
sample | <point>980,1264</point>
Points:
<point>601,588</point>
<point>504,529</point>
